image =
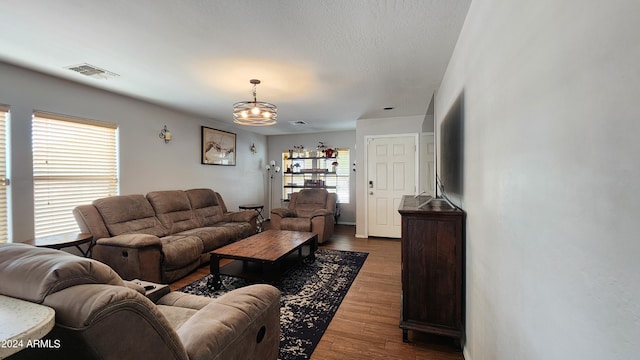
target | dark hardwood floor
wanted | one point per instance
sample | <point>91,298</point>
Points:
<point>366,324</point>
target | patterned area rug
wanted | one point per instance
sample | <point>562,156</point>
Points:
<point>311,295</point>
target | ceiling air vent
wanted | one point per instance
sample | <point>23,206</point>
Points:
<point>92,71</point>
<point>297,123</point>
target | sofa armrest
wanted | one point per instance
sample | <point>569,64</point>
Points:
<point>95,317</point>
<point>242,324</point>
<point>184,300</point>
<point>278,214</point>
<point>243,216</point>
<point>132,256</point>
<point>131,241</point>
<point>283,212</point>
<point>321,212</point>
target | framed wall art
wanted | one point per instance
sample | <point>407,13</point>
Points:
<point>217,147</point>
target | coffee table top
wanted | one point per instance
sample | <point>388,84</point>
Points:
<point>270,245</point>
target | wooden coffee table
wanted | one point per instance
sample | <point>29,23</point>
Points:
<point>263,257</point>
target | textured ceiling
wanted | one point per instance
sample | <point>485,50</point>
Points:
<point>327,63</point>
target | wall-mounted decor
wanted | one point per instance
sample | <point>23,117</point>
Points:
<point>165,134</point>
<point>217,147</point>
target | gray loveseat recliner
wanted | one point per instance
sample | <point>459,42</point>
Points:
<point>309,210</point>
<point>163,236</point>
<point>100,316</point>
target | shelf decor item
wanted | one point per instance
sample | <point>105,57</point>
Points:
<point>320,150</point>
<point>331,153</point>
<point>312,171</point>
<point>217,147</point>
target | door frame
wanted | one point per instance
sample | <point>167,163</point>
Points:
<point>365,184</point>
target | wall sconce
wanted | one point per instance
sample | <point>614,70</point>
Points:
<point>253,148</point>
<point>165,134</point>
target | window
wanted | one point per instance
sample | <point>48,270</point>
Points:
<point>341,180</point>
<point>4,116</point>
<point>304,172</point>
<point>74,163</point>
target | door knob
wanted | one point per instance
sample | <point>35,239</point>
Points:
<point>370,192</point>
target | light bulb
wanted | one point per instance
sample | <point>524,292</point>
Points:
<point>266,114</point>
<point>244,114</point>
<point>255,111</point>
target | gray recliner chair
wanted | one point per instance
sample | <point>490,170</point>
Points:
<point>100,316</point>
<point>309,210</point>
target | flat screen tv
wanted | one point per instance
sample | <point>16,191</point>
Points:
<point>450,136</point>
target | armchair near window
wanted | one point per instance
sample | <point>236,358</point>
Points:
<point>309,210</point>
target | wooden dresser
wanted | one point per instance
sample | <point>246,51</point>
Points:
<point>432,268</point>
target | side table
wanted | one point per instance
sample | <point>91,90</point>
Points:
<point>65,240</point>
<point>258,208</point>
<point>22,322</point>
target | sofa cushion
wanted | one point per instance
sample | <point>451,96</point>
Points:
<point>32,273</point>
<point>126,214</point>
<point>212,237</point>
<point>296,224</point>
<point>173,209</point>
<point>206,206</point>
<point>238,230</point>
<point>227,327</point>
<point>200,198</point>
<point>180,250</point>
<point>175,315</point>
<point>308,200</point>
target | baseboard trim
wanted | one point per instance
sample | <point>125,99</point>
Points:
<point>362,236</point>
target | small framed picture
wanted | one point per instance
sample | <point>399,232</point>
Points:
<point>217,147</point>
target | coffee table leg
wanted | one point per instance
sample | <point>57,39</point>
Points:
<point>312,249</point>
<point>271,271</point>
<point>214,268</point>
<point>313,246</point>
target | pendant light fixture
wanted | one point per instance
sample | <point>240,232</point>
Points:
<point>254,113</point>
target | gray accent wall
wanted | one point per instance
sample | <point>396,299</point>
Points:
<point>551,173</point>
<point>146,162</point>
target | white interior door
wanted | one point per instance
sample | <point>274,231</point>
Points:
<point>391,173</point>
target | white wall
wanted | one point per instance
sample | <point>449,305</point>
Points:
<point>551,174</point>
<point>369,127</point>
<point>146,162</point>
<point>342,139</point>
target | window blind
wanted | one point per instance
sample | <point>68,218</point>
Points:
<point>343,173</point>
<point>4,116</point>
<point>74,162</point>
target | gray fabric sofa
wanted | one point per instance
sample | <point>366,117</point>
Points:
<point>100,316</point>
<point>163,236</point>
